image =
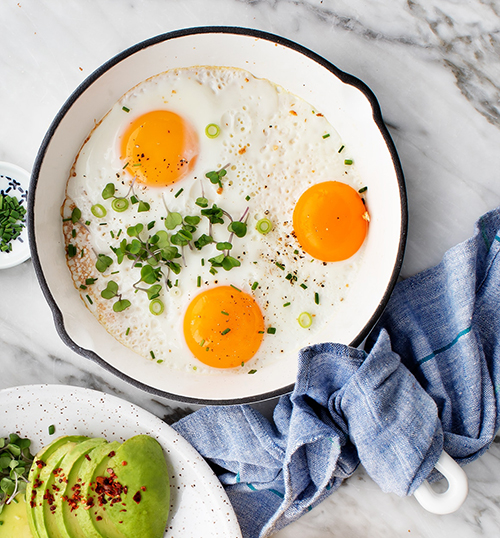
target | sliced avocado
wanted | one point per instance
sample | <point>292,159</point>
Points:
<point>140,467</point>
<point>99,460</point>
<point>37,478</point>
<point>14,519</point>
<point>68,487</point>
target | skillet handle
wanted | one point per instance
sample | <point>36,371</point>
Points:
<point>453,497</point>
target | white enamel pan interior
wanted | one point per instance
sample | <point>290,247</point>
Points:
<point>350,107</point>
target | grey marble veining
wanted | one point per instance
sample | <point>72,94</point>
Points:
<point>434,66</point>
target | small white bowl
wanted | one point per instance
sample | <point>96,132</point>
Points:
<point>347,103</point>
<point>14,181</point>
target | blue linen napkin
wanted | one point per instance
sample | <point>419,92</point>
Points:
<point>427,380</point>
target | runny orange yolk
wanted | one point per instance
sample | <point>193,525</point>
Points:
<point>159,148</point>
<point>329,221</point>
<point>223,327</point>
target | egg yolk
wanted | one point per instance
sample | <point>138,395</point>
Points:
<point>159,148</point>
<point>329,221</point>
<point>223,327</point>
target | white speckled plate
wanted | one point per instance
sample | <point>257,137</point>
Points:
<point>14,181</point>
<point>198,505</point>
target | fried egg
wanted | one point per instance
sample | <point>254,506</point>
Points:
<point>178,166</point>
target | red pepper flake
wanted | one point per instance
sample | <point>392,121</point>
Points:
<point>98,518</point>
<point>40,464</point>
<point>137,497</point>
<point>143,488</point>
<point>124,463</point>
<point>37,483</point>
<point>87,457</point>
<point>111,454</point>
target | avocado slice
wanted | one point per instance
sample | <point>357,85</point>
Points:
<point>139,466</point>
<point>37,478</point>
<point>88,471</point>
<point>14,519</point>
<point>69,487</point>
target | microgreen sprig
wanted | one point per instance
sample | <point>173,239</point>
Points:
<point>15,463</point>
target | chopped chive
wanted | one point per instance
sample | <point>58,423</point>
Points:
<point>363,189</point>
<point>212,130</point>
<point>112,234</point>
<point>237,289</point>
<point>252,371</point>
<point>114,272</point>
<point>152,354</point>
<point>126,164</point>
<point>73,233</point>
<point>90,281</point>
<point>119,233</point>
<point>127,331</point>
<point>202,343</point>
<point>295,251</point>
<point>176,283</point>
<point>125,109</point>
<point>159,361</point>
<point>225,331</point>
<point>303,286</point>
<point>83,287</point>
<point>198,281</point>
<point>271,330</point>
<point>255,286</point>
<point>87,223</point>
<point>316,298</point>
<point>264,226</point>
<point>348,161</point>
<point>178,193</point>
<point>82,253</point>
<point>326,135</point>
<point>287,304</point>
<point>203,261</point>
<point>89,299</point>
<point>305,320</point>
<point>156,307</point>
<point>137,164</point>
<point>247,198</point>
<point>341,148</point>
<point>289,276</point>
<point>207,349</point>
<point>225,313</point>
<point>261,332</point>
<point>280,266</point>
<point>52,429</point>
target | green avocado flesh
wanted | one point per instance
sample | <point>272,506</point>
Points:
<point>89,488</point>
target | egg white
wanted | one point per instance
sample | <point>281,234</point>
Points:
<point>276,145</point>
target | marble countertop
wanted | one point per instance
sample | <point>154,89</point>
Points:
<point>434,66</point>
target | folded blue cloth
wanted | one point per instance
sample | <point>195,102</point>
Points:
<point>427,380</point>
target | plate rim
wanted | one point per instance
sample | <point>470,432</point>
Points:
<point>346,78</point>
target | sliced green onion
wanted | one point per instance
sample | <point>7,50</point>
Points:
<point>156,307</point>
<point>98,211</point>
<point>119,204</point>
<point>264,226</point>
<point>212,130</point>
<point>305,320</point>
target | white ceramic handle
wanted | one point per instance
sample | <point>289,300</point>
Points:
<point>453,498</point>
